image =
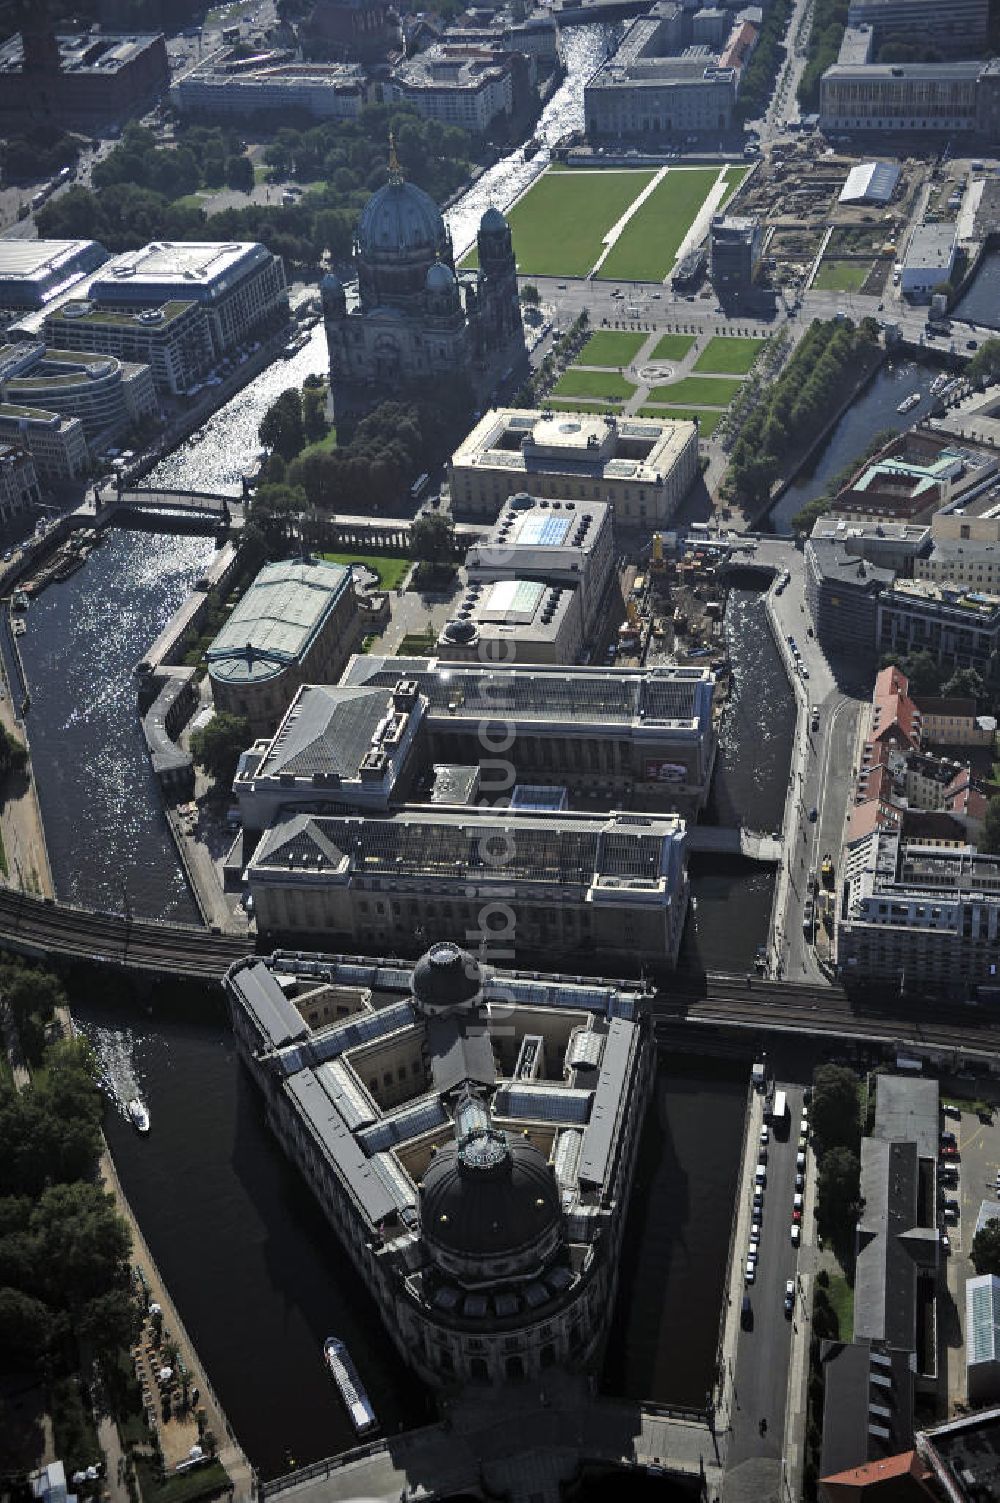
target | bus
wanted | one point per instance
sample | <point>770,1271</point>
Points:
<point>419,486</point>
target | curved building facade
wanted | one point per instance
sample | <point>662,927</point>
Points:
<point>417,318</point>
<point>470,1135</point>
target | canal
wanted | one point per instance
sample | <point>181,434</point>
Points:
<point>981,303</point>
<point>874,410</point>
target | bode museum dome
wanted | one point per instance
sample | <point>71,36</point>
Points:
<point>416,317</point>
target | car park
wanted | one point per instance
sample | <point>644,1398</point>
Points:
<point>789,1296</point>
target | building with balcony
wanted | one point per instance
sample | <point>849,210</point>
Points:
<point>297,622</point>
<point>173,340</point>
<point>925,918</point>
<point>109,396</point>
<point>902,97</point>
<point>458,84</point>
<point>961,628</point>
<point>18,481</point>
<point>565,883</point>
<point>471,1137</point>
<point>642,467</point>
<point>57,444</point>
<point>568,544</point>
<point>271,84</point>
<point>642,737</point>
<point>239,287</point>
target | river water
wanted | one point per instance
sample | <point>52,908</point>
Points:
<point>981,304</point>
<point>873,411</point>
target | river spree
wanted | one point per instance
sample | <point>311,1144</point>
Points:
<point>981,304</point>
<point>874,410</point>
<point>109,844</point>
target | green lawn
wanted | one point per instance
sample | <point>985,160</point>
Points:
<point>731,357</point>
<point>709,418</point>
<point>195,200</point>
<point>841,276</point>
<point>734,177</point>
<point>672,347</point>
<point>390,568</point>
<point>611,349</point>
<point>322,445</point>
<point>842,1299</point>
<point>698,391</point>
<point>559,224</point>
<point>647,247</point>
<point>605,386</point>
<point>598,408</point>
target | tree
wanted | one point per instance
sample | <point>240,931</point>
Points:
<point>989,840</point>
<point>314,420</point>
<point>218,746</point>
<point>838,1190</point>
<point>432,539</point>
<point>835,1112</point>
<point>530,295</point>
<point>26,1326</point>
<point>109,1322</point>
<point>985,363</point>
<point>281,426</point>
<point>985,1252</point>
<point>239,174</point>
<point>965,683</point>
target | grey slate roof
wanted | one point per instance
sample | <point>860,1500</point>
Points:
<point>460,1049</point>
<point>278,1019</point>
<point>599,1135</point>
<point>330,730</point>
<point>892,1246</point>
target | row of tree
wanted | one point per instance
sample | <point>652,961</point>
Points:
<point>836,1130</point>
<point>64,1251</point>
<point>825,36</point>
<point>796,407</point>
<point>757,83</point>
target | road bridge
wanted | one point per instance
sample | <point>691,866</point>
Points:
<point>734,841</point>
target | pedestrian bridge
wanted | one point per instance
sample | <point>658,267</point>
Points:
<point>730,840</point>
<point>199,506</point>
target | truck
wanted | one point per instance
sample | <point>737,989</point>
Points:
<point>779,1111</point>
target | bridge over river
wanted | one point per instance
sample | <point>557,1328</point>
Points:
<point>48,930</point>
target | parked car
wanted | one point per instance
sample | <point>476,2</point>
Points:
<point>760,1176</point>
<point>800,1181</point>
<point>796,1232</point>
<point>789,1296</point>
<point>765,1134</point>
<point>746,1313</point>
<point>800,1161</point>
<point>749,1273</point>
<point>946,1138</point>
<point>762,1154</point>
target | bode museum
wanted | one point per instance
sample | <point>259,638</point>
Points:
<point>417,319</point>
<point>470,1135</point>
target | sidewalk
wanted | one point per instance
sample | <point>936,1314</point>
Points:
<point>796,1410</point>
<point>736,1287</point>
<point>21,822</point>
<point>229,1453</point>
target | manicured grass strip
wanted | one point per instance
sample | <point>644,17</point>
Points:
<point>390,568</point>
<point>598,409</point>
<point>709,418</point>
<point>731,357</point>
<point>647,247</point>
<point>672,347</point>
<point>611,349</point>
<point>559,224</point>
<point>606,386</point>
<point>841,276</point>
<point>734,177</point>
<point>699,391</point>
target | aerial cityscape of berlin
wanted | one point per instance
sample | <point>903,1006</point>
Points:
<point>499,760</point>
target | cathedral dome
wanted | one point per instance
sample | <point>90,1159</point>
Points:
<point>489,1197</point>
<point>401,218</point>
<point>440,278</point>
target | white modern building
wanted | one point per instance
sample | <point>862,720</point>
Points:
<point>172,339</point>
<point>458,85</point>
<point>471,1137</point>
<point>982,1338</point>
<point>270,84</point>
<point>33,273</point>
<point>240,287</point>
<point>109,396</point>
<point>929,260</point>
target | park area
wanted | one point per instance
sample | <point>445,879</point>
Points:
<point>559,227</point>
<point>841,276</point>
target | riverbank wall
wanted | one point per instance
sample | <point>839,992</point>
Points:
<point>757,518</point>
